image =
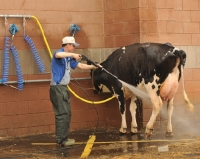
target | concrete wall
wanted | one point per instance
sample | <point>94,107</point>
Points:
<point>105,25</point>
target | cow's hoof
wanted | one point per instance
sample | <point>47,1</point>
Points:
<point>147,136</point>
<point>122,133</point>
<point>148,133</point>
<point>169,134</point>
<point>134,131</point>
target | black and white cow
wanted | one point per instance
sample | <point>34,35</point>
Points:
<point>151,66</point>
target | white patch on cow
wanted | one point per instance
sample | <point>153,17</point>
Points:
<point>141,84</point>
<point>119,58</point>
<point>156,78</point>
<point>175,49</point>
<point>156,103</point>
<point>133,108</point>
<point>123,49</point>
<point>165,54</point>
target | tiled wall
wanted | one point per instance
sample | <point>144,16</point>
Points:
<point>105,25</point>
<point>173,21</point>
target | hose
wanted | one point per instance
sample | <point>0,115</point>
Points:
<point>44,38</point>
<point>89,101</point>
<point>6,59</point>
<point>34,53</point>
<point>17,67</point>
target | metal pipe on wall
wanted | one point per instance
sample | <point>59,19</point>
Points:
<point>43,80</point>
<point>15,16</point>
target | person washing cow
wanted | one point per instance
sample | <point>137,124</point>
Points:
<point>62,60</point>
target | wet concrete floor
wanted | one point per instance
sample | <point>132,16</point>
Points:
<point>22,148</point>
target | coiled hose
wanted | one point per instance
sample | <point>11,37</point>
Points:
<point>34,53</point>
<point>17,67</point>
<point>6,59</point>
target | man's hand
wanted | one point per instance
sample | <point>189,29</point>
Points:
<point>77,57</point>
<point>98,66</point>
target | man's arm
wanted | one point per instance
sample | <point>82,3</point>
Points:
<point>86,66</point>
<point>67,54</point>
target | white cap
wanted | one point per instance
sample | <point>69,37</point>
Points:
<point>69,40</point>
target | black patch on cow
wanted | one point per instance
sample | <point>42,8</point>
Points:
<point>148,80</point>
<point>139,114</point>
<point>157,81</point>
<point>158,92</point>
<point>153,86</point>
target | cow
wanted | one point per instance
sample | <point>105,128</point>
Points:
<point>154,67</point>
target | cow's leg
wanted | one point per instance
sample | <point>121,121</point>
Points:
<point>170,109</point>
<point>122,107</point>
<point>157,104</point>
<point>123,128</point>
<point>133,108</point>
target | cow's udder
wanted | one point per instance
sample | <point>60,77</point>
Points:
<point>169,87</point>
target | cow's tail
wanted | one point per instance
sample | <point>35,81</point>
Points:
<point>189,104</point>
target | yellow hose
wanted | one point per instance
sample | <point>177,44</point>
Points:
<point>42,31</point>
<point>90,102</point>
<point>50,54</point>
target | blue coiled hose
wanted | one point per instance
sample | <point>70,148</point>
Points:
<point>34,53</point>
<point>7,46</point>
<point>17,67</point>
<point>6,59</point>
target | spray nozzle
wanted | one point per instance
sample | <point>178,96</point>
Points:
<point>13,29</point>
<point>73,28</point>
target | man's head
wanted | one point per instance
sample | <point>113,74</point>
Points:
<point>69,43</point>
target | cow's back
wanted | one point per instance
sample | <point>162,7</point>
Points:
<point>134,62</point>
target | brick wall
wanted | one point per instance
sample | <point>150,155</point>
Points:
<point>121,20</point>
<point>105,25</point>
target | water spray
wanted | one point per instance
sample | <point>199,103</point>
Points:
<point>142,95</point>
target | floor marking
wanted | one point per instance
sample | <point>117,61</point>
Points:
<point>88,146</point>
<point>113,142</point>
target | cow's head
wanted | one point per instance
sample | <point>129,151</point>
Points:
<point>96,78</point>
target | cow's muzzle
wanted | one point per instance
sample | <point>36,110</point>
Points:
<point>98,90</point>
